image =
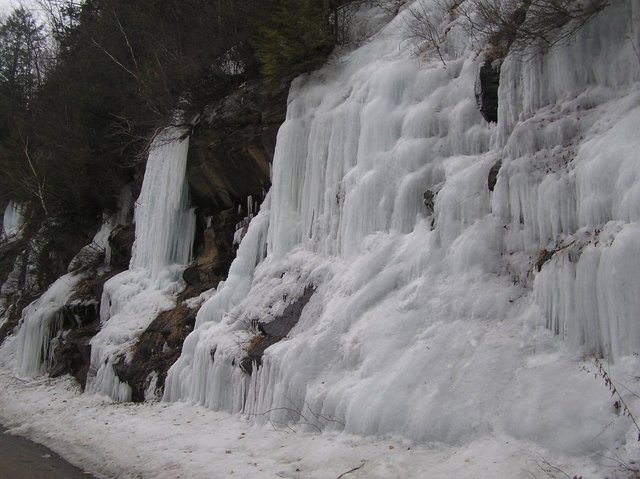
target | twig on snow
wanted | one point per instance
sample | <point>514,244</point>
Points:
<point>351,470</point>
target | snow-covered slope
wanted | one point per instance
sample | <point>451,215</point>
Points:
<point>432,321</point>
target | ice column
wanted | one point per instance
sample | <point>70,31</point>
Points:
<point>165,227</point>
<point>164,223</point>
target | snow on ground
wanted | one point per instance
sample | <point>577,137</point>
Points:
<point>179,440</point>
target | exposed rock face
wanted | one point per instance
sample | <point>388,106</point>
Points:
<point>486,89</point>
<point>492,179</point>
<point>89,257</point>
<point>428,198</point>
<point>29,264</point>
<point>71,351</point>
<point>232,147</point>
<point>157,349</point>
<point>213,248</point>
<point>121,241</point>
<point>13,294</point>
<point>274,331</point>
<point>230,152</point>
<point>80,321</point>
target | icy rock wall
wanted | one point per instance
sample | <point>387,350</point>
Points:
<point>427,320</point>
<point>12,223</point>
<point>165,227</point>
<point>40,323</point>
<point>218,383</point>
<point>569,181</point>
<point>42,319</point>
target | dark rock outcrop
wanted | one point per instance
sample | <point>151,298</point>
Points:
<point>428,199</point>
<point>158,348</point>
<point>121,242</point>
<point>30,263</point>
<point>232,146</point>
<point>213,248</point>
<point>544,255</point>
<point>492,179</point>
<point>79,323</point>
<point>486,89</point>
<point>274,331</point>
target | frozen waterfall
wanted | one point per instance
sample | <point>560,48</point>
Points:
<point>165,228</point>
<point>429,318</point>
<point>42,321</point>
<point>164,223</point>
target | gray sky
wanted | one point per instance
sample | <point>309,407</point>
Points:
<point>7,5</point>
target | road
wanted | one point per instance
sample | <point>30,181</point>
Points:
<point>23,459</point>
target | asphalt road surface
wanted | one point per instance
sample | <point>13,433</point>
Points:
<point>23,459</point>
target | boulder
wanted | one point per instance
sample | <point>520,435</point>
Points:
<point>89,257</point>
<point>121,242</point>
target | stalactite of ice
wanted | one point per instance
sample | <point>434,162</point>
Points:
<point>350,164</point>
<point>165,227</point>
<point>422,323</point>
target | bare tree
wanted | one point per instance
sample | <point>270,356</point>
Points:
<point>62,16</point>
<point>426,29</point>
<point>23,56</point>
<point>522,25</point>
